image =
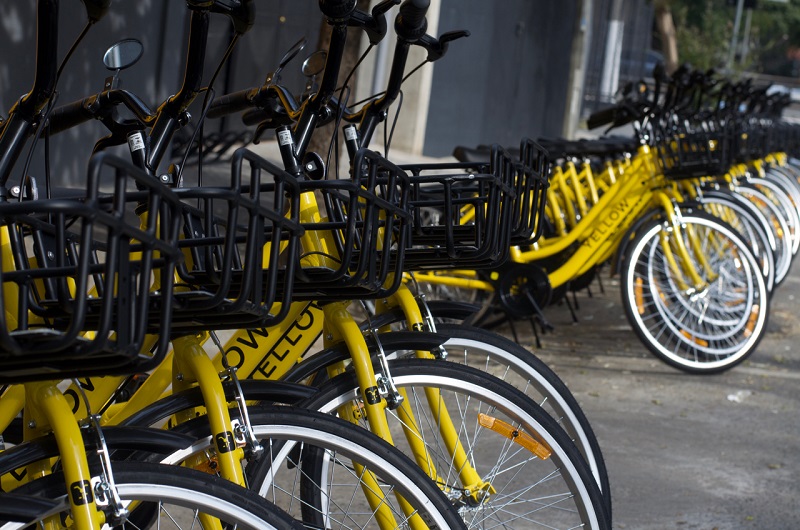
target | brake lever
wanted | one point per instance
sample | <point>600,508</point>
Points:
<point>373,24</point>
<point>437,48</point>
<point>383,7</point>
<point>261,128</point>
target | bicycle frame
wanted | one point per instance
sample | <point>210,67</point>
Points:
<point>599,233</point>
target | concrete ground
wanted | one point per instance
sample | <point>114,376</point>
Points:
<point>686,451</point>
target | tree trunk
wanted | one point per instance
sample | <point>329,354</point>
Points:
<point>669,39</point>
<point>322,137</point>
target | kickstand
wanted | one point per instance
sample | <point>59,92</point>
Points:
<point>536,333</point>
<point>571,310</point>
<point>513,328</point>
<point>575,300</point>
<point>538,316</point>
<point>600,283</point>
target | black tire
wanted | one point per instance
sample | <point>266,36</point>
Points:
<point>177,490</point>
<point>324,440</point>
<point>782,198</point>
<point>779,226</point>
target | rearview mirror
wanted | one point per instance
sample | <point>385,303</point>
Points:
<point>123,54</point>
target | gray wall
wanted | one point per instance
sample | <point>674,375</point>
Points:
<point>509,79</point>
<point>158,24</point>
<point>506,81</point>
<point>279,25</point>
<point>162,26</point>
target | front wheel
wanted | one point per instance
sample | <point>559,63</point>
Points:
<point>704,328</point>
<point>500,458</point>
<point>160,496</point>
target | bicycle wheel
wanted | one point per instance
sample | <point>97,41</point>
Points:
<point>307,465</point>
<point>749,223</point>
<point>504,359</point>
<point>499,430</point>
<point>320,469</point>
<point>785,177</point>
<point>160,496</point>
<point>705,330</point>
<point>778,225</point>
<point>779,196</point>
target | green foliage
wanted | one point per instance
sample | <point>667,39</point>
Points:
<point>704,29</point>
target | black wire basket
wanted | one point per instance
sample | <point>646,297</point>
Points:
<point>355,249</point>
<point>530,186</point>
<point>753,139</point>
<point>687,155</point>
<point>235,242</point>
<point>463,212</point>
<point>85,279</point>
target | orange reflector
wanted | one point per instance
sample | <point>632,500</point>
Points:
<point>638,292</point>
<point>751,322</point>
<point>506,429</point>
<point>699,342</point>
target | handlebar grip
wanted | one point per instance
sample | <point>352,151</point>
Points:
<point>602,117</point>
<point>230,103</point>
<point>337,9</point>
<point>68,116</point>
<point>411,23</point>
<point>202,5</point>
<point>254,117</point>
<point>242,13</point>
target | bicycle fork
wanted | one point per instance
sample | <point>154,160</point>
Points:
<point>47,409</point>
<point>473,487</point>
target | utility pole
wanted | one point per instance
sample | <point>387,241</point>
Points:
<point>746,40</point>
<point>580,57</point>
<point>737,21</point>
<point>609,82</point>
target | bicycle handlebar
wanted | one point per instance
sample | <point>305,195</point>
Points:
<point>68,116</point>
<point>374,24</point>
<point>411,24</point>
<point>337,9</point>
<point>437,48</point>
<point>232,103</point>
<point>98,107</point>
<point>241,12</point>
<point>273,105</point>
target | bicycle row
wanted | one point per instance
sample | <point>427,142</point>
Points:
<point>124,405</point>
<point>697,214</point>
